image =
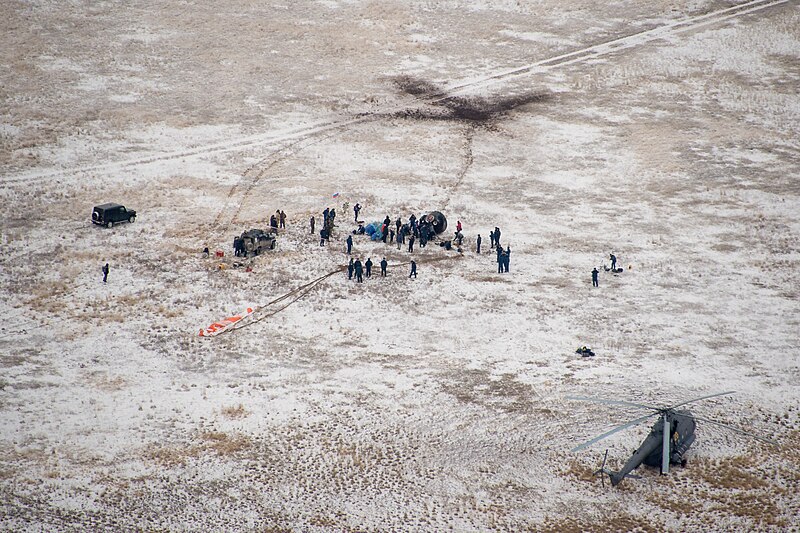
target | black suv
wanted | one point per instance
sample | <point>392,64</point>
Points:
<point>108,214</point>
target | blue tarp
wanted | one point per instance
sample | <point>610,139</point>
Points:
<point>373,229</point>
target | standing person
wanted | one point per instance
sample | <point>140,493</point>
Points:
<point>356,209</point>
<point>384,232</point>
<point>594,277</point>
<point>359,271</point>
<point>282,218</point>
<point>507,258</point>
<point>384,264</point>
<point>273,222</point>
<point>391,236</point>
<point>491,237</point>
<point>325,215</point>
<point>368,266</point>
<point>350,268</point>
<point>501,259</point>
<point>458,226</point>
<point>613,262</point>
<point>497,236</point>
<point>349,244</point>
<point>323,236</point>
<point>105,273</point>
<point>312,224</point>
<point>398,223</point>
<point>479,243</point>
<point>413,269</point>
<point>411,243</point>
<point>332,214</point>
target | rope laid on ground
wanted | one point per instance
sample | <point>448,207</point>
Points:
<point>306,288</point>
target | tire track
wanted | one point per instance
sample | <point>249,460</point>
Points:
<point>614,45</point>
<point>275,138</point>
<point>469,159</point>
<point>253,174</point>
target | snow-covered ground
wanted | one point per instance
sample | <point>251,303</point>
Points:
<point>667,133</point>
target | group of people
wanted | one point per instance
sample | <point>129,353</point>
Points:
<point>278,220</point>
<point>596,273</point>
<point>397,232</point>
<point>416,230</point>
<point>503,259</point>
<point>328,219</point>
<point>359,270</point>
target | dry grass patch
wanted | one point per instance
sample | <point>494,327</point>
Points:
<point>169,312</point>
<point>234,412</point>
<point>729,473</point>
<point>612,522</point>
<point>171,456</point>
<point>224,444</point>
<point>577,470</point>
<point>106,383</point>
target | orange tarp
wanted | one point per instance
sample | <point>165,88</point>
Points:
<point>218,327</point>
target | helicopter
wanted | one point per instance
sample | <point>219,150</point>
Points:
<point>669,438</point>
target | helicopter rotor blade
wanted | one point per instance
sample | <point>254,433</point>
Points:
<point>702,398</point>
<point>736,430</point>
<point>609,433</point>
<point>612,402</point>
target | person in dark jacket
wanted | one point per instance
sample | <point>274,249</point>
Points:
<point>350,268</point>
<point>359,271</point>
<point>323,236</point>
<point>507,260</point>
<point>613,262</point>
<point>501,260</point>
<point>312,225</point>
<point>479,244</point>
<point>273,222</point>
<point>368,266</point>
<point>491,237</point>
<point>391,236</point>
<point>413,269</point>
<point>411,243</point>
<point>105,273</point>
<point>349,244</point>
<point>356,209</point>
<point>496,236</point>
<point>595,272</point>
<point>398,223</point>
<point>384,264</point>
<point>282,219</point>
